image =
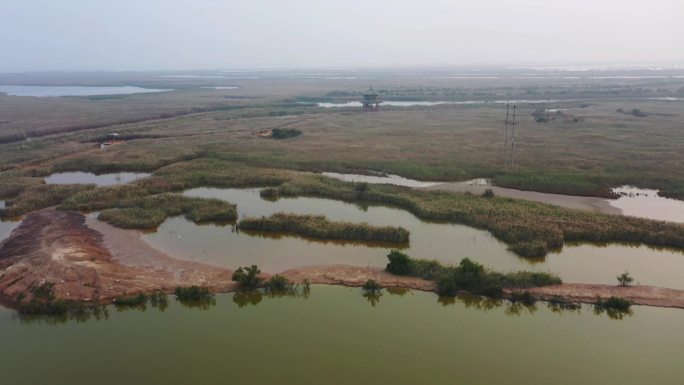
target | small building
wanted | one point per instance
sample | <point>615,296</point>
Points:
<point>371,101</point>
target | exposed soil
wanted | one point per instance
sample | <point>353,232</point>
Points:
<point>89,260</point>
<point>85,265</point>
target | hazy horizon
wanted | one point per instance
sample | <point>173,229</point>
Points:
<point>170,35</point>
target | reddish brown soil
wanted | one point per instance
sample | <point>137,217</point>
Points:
<point>91,261</point>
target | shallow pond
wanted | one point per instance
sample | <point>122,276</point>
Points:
<point>335,336</point>
<point>449,243</point>
<point>54,91</point>
<point>647,204</point>
<point>100,180</point>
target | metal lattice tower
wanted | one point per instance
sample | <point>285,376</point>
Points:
<point>509,150</point>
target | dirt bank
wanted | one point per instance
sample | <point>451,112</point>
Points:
<point>569,201</point>
<point>85,265</point>
<point>640,295</point>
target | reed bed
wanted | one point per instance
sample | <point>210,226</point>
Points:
<point>318,226</point>
<point>149,212</point>
<point>530,228</point>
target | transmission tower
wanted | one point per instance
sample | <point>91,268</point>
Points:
<point>509,150</point>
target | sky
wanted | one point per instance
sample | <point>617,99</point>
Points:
<point>231,34</point>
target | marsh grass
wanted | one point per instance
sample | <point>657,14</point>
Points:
<point>529,228</point>
<point>317,226</point>
<point>149,212</point>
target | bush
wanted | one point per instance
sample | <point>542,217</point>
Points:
<point>279,284</point>
<point>193,293</point>
<point>399,263</point>
<point>488,193</point>
<point>371,286</point>
<point>284,133</point>
<point>137,301</point>
<point>468,276</point>
<point>625,279</point>
<point>247,277</point>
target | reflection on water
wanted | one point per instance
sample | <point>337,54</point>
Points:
<point>336,334</point>
<point>647,204</point>
<point>100,180</point>
<point>448,243</point>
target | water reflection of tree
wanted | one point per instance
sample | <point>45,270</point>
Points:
<point>373,297</point>
<point>80,315</point>
<point>613,314</point>
<point>254,297</point>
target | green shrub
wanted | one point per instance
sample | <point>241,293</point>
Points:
<point>625,279</point>
<point>193,293</point>
<point>371,286</point>
<point>279,284</point>
<point>468,276</point>
<point>247,277</point>
<point>284,133</point>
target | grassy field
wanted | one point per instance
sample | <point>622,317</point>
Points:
<point>200,137</point>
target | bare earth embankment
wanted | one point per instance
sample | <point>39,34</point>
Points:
<point>89,260</point>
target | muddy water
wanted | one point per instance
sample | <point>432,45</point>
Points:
<point>223,246</point>
<point>646,203</point>
<point>100,180</point>
<point>335,336</point>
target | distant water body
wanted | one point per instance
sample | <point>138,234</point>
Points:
<point>55,91</point>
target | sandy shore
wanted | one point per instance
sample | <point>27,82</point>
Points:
<point>596,204</point>
<point>92,261</point>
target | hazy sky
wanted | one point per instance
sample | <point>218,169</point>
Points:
<point>212,34</point>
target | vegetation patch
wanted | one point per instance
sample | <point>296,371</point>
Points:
<point>285,133</point>
<point>468,276</point>
<point>317,226</point>
<point>247,278</point>
<point>531,227</point>
<point>150,212</point>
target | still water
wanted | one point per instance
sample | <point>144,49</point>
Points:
<point>380,179</point>
<point>100,180</point>
<point>647,203</point>
<point>6,227</point>
<point>335,336</point>
<point>448,243</point>
<point>54,91</point>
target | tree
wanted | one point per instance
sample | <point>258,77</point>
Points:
<point>399,263</point>
<point>247,277</point>
<point>625,279</point>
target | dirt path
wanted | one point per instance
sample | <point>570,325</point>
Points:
<point>596,204</point>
